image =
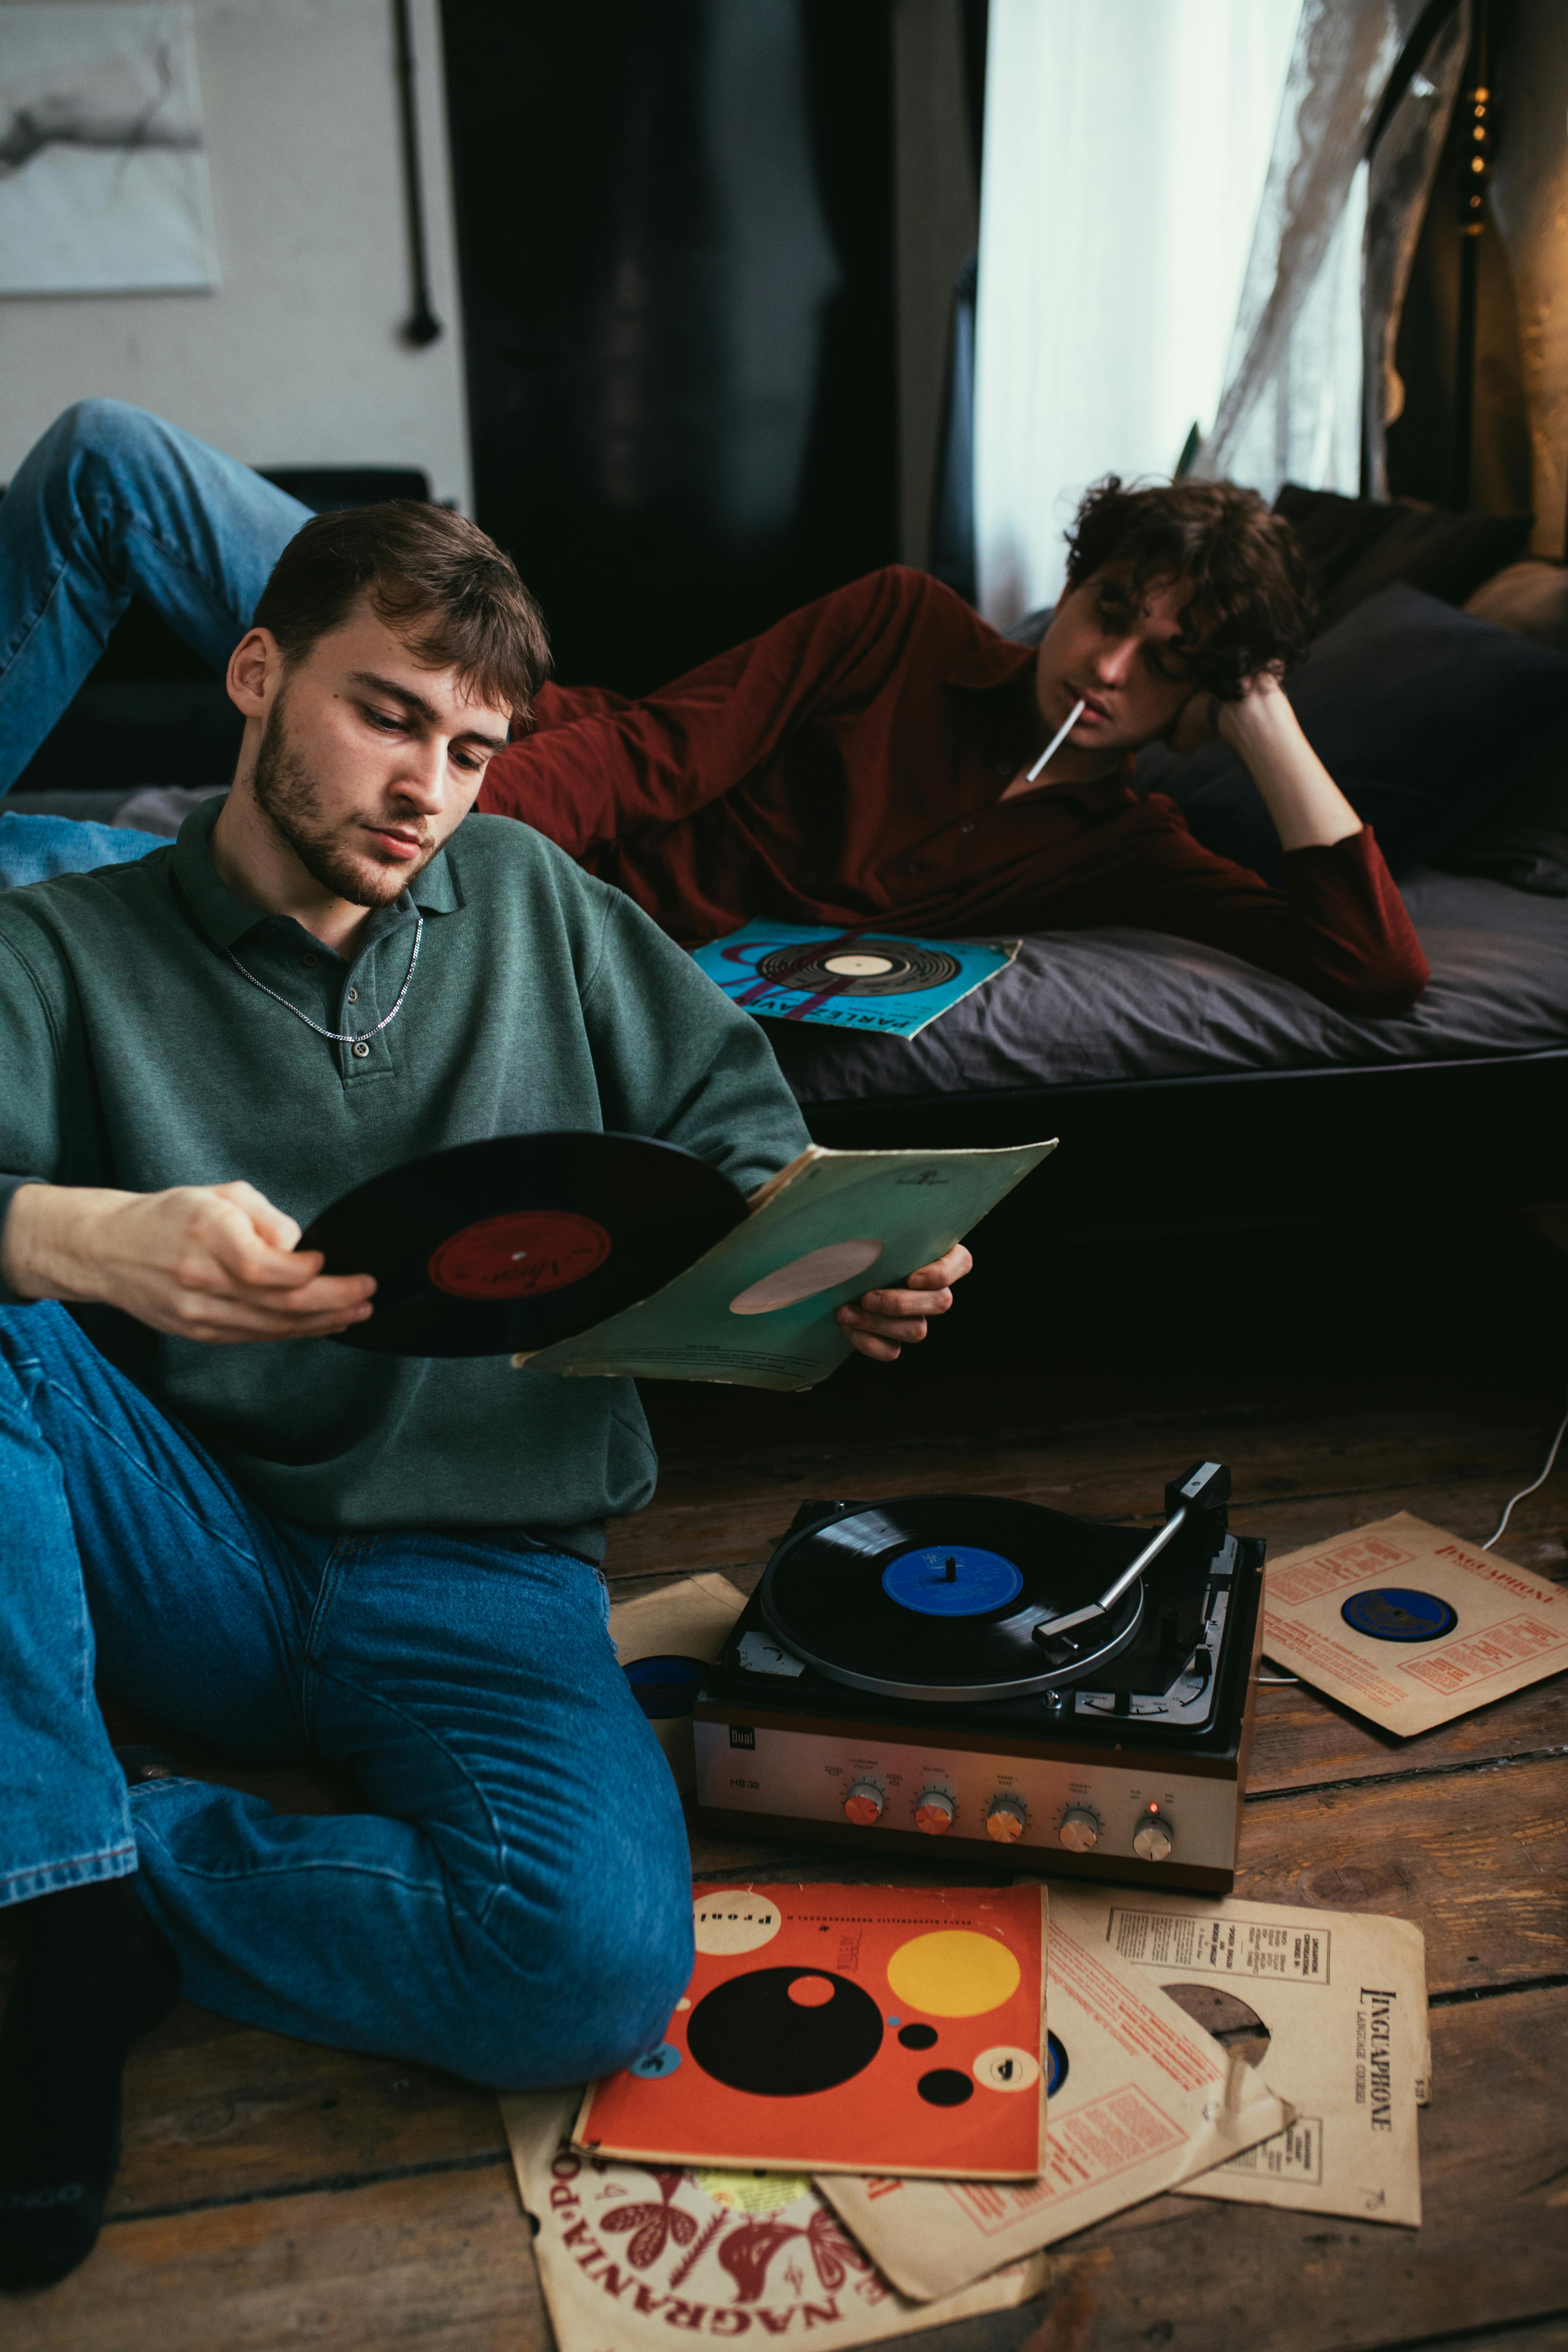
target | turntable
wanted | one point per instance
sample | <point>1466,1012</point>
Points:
<point>1071,1693</point>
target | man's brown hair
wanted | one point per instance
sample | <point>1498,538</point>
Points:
<point>1250,604</point>
<point>451,594</point>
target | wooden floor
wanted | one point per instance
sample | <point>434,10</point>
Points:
<point>274,2194</point>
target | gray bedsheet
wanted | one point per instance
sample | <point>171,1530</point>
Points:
<point>1082,1007</point>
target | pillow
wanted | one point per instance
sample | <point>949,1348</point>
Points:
<point>1529,598</point>
<point>1357,546</point>
<point>1423,715</point>
<point>1524,839</point>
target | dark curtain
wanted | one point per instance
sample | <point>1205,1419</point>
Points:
<point>675,227</point>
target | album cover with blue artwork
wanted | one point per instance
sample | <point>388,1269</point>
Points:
<point>847,2029</point>
<point>868,979</point>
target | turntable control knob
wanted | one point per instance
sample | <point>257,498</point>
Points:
<point>933,1813</point>
<point>1005,1819</point>
<point>1078,1830</point>
<point>863,1805</point>
<point>1153,1838</point>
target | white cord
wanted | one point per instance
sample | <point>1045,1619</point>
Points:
<point>1278,1678</point>
<point>1523,1491</point>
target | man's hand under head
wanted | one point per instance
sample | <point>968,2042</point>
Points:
<point>215,1262</point>
<point>882,1322</point>
<point>1261,727</point>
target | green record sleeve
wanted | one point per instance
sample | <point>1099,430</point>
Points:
<point>757,1310</point>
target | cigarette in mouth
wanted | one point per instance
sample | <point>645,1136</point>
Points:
<point>1065,730</point>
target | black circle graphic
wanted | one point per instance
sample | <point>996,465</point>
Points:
<point>1056,2065</point>
<point>944,2087</point>
<point>907,967</point>
<point>918,2037</point>
<point>750,2035</point>
<point>1399,1612</point>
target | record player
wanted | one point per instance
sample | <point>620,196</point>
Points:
<point>1073,1694</point>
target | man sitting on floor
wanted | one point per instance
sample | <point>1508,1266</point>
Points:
<point>296,1549</point>
<point>864,762</point>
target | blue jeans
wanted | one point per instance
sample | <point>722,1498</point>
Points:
<point>514,1905</point>
<point>113,501</point>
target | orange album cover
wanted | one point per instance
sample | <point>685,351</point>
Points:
<point>895,2030</point>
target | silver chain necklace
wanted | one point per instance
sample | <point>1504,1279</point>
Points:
<point>355,1037</point>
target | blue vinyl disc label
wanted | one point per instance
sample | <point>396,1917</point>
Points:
<point>952,1581</point>
<point>1399,1612</point>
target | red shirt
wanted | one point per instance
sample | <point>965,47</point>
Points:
<point>848,766</point>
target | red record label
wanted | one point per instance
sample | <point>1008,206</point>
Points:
<point>521,1256</point>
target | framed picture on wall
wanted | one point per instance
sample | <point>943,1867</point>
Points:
<point>103,167</point>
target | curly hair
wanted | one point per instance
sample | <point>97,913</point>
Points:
<point>1251,604</point>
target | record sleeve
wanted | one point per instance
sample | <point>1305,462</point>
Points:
<point>864,979</point>
<point>1409,1626</point>
<point>632,2259</point>
<point>1341,1997</point>
<point>758,1307</point>
<point>1141,2098</point>
<point>666,1641</point>
<point>845,2029</point>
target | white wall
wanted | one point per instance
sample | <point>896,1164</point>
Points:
<point>296,359</point>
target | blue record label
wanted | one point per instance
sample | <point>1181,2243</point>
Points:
<point>952,1581</point>
<point>1398,1612</point>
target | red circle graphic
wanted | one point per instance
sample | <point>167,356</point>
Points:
<point>520,1256</point>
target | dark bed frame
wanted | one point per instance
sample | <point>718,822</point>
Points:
<point>1153,1155</point>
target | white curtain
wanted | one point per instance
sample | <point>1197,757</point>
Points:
<point>1292,402</point>
<point>1127,145</point>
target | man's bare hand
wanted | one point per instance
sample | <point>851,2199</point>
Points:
<point>883,1322</point>
<point>216,1263</point>
<point>1203,718</point>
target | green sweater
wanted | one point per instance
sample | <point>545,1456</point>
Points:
<point>133,1053</point>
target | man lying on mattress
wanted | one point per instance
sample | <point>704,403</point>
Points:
<point>865,761</point>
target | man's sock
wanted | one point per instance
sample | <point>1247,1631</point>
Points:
<point>96,1974</point>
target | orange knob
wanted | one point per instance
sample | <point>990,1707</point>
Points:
<point>863,1805</point>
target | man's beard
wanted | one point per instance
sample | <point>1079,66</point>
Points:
<point>290,797</point>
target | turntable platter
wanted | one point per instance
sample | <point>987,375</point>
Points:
<point>939,1596</point>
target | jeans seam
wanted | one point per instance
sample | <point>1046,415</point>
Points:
<point>309,1666</point>
<point>498,1844</point>
<point>73,1401</point>
<point>69,1861</point>
<point>291,1869</point>
<point>7,659</point>
<point>137,526</point>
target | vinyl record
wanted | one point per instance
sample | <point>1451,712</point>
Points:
<point>862,967</point>
<point>490,1248</point>
<point>937,1597</point>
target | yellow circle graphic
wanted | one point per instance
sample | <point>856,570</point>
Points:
<point>753,2192</point>
<point>953,1973</point>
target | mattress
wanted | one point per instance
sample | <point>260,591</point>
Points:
<point>1085,1008</point>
